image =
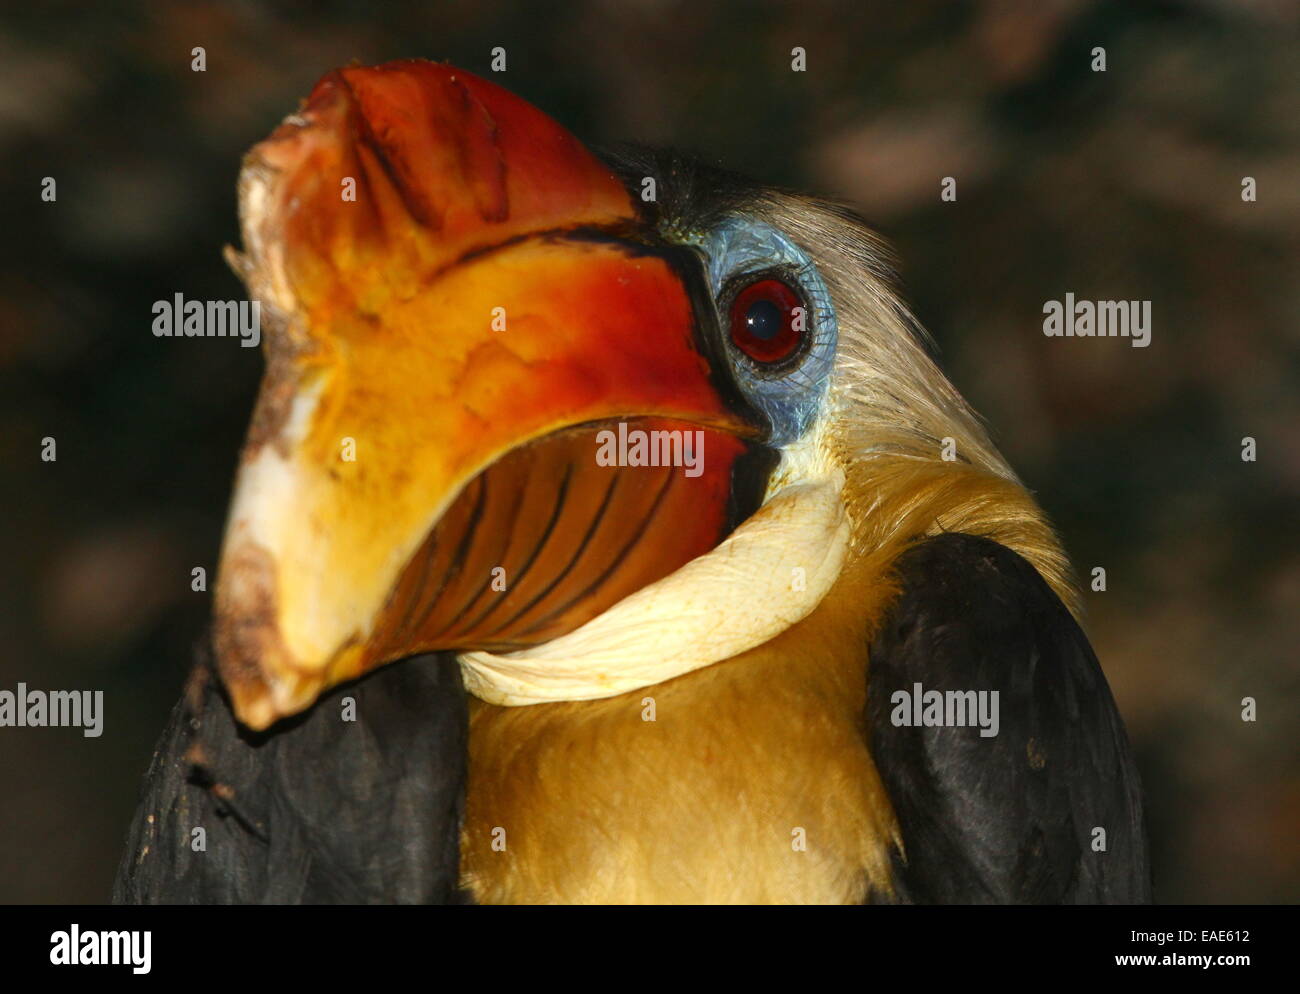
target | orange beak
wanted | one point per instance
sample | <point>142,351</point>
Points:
<point>458,300</point>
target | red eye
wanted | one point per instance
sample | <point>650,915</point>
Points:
<point>767,321</point>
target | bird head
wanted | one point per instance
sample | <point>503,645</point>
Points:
<point>588,421</point>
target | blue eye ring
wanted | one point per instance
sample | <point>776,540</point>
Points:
<point>738,252</point>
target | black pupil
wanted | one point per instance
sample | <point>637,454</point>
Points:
<point>763,319</point>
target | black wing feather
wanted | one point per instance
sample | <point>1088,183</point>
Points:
<point>318,810</point>
<point>1009,818</point>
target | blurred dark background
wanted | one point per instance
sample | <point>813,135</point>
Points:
<point>1123,184</point>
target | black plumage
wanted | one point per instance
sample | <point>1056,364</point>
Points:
<point>1010,818</point>
<point>318,810</point>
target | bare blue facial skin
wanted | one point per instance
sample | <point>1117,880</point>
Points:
<point>790,395</point>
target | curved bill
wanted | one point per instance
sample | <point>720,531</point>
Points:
<point>486,415</point>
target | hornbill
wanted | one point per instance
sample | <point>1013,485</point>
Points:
<point>642,478</point>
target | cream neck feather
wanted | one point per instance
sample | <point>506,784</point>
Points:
<point>770,573</point>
